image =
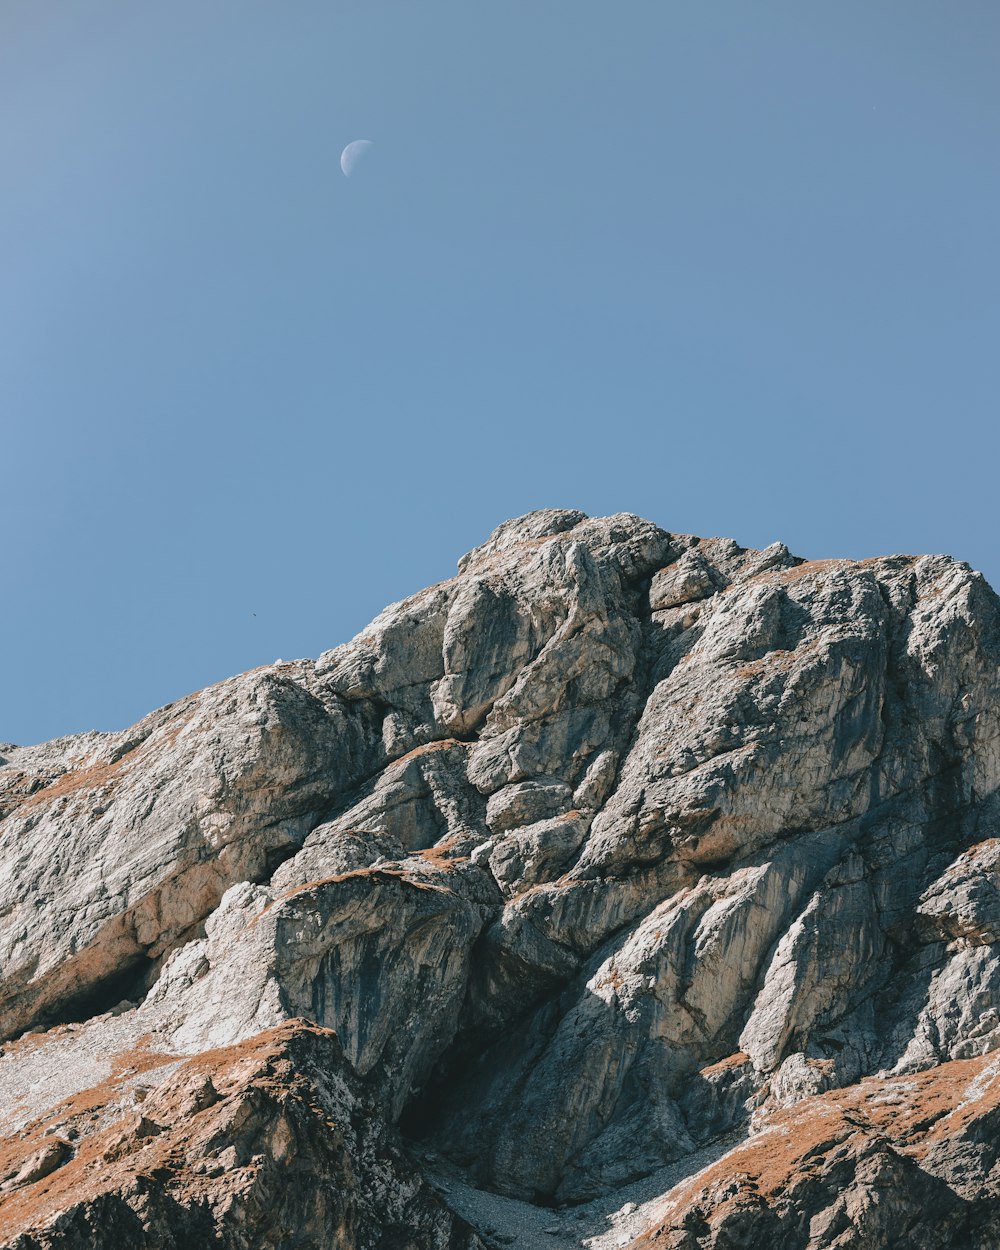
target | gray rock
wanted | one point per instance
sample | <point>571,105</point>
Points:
<point>526,802</point>
<point>614,842</point>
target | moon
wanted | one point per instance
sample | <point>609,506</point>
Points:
<point>354,152</point>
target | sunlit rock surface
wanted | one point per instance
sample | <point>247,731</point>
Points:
<point>627,888</point>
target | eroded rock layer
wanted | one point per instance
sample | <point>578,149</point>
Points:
<point>619,851</point>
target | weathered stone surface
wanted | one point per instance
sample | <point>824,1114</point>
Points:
<point>379,955</point>
<point>117,854</point>
<point>271,1144</point>
<point>887,1163</point>
<point>614,844</point>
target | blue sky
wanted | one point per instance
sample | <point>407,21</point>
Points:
<point>732,267</point>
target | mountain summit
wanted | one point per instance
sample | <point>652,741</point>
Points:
<point>627,889</point>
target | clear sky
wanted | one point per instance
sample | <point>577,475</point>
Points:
<point>731,266</point>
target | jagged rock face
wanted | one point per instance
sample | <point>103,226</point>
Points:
<point>890,1162</point>
<point>270,1143</point>
<point>616,844</point>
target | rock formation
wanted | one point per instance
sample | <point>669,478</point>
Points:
<point>628,888</point>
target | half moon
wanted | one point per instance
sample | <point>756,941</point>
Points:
<point>352,154</point>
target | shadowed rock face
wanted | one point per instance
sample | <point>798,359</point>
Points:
<point>615,844</point>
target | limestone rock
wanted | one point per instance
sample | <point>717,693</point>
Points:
<point>618,852</point>
<point>883,1164</point>
<point>290,1150</point>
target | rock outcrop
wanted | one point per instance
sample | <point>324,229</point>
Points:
<point>273,1142</point>
<point>619,852</point>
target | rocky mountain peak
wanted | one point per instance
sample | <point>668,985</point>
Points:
<point>629,888</point>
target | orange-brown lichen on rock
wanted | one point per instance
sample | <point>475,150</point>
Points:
<point>285,1139</point>
<point>809,1158</point>
<point>446,852</point>
<point>736,1060</point>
